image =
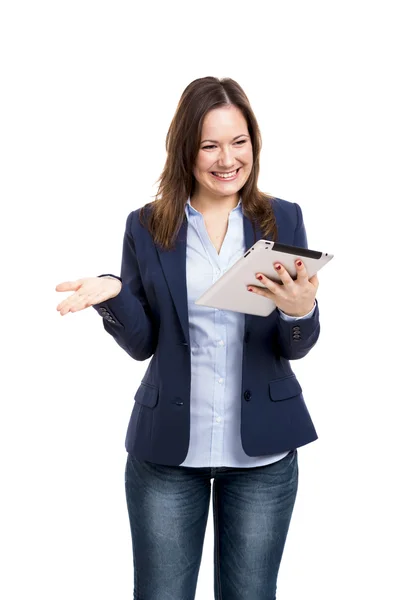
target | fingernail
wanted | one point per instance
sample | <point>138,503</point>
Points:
<point>277,267</point>
<point>259,277</point>
<point>299,263</point>
<point>250,289</point>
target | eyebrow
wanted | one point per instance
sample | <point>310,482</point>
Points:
<point>235,138</point>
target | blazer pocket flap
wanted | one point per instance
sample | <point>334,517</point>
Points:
<point>147,395</point>
<point>284,388</point>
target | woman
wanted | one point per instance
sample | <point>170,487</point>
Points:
<point>219,399</point>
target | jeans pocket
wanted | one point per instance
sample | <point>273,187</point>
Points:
<point>281,466</point>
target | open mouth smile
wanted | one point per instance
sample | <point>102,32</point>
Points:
<point>225,176</point>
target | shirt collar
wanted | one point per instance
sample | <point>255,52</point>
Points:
<point>191,210</point>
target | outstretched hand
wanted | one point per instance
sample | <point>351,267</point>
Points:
<point>88,291</point>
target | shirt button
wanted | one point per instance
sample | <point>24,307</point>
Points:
<point>218,419</point>
<point>220,380</point>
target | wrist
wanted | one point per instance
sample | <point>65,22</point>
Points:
<point>111,277</point>
<point>299,315</point>
<point>115,286</point>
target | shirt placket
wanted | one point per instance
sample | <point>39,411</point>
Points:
<point>220,356</point>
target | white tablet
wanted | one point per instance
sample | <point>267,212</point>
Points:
<point>230,291</point>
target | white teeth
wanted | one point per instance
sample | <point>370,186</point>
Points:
<point>225,175</point>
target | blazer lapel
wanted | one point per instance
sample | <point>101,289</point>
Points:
<point>173,263</point>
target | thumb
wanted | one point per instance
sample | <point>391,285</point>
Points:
<point>67,286</point>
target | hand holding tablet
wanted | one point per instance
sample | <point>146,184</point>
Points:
<point>291,288</point>
<point>294,297</point>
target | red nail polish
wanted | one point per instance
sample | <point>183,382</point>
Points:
<point>299,263</point>
<point>250,289</point>
<point>278,267</point>
<point>259,277</point>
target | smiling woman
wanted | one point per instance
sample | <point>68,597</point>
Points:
<point>219,399</point>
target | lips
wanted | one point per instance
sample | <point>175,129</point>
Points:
<point>214,174</point>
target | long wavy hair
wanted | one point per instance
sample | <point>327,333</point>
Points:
<point>177,181</point>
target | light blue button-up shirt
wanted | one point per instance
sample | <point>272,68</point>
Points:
<point>216,351</point>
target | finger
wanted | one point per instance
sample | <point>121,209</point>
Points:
<point>67,286</point>
<point>302,274</point>
<point>78,307</point>
<point>283,274</point>
<point>314,281</point>
<point>77,302</point>
<point>260,291</point>
<point>73,301</point>
<point>271,285</point>
<point>72,309</point>
<point>63,305</point>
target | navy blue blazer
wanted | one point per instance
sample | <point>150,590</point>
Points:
<point>149,318</point>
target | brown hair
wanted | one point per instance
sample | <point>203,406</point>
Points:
<point>177,181</point>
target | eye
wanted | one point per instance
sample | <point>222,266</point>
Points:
<point>241,142</point>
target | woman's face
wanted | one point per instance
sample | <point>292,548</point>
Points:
<point>225,148</point>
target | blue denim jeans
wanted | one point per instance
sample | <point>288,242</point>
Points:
<point>168,508</point>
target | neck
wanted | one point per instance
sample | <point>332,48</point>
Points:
<point>214,204</point>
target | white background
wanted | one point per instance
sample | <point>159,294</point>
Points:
<point>88,92</point>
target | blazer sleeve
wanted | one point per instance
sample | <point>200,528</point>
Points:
<point>127,316</point>
<point>296,338</point>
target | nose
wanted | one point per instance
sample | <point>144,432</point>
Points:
<point>227,159</point>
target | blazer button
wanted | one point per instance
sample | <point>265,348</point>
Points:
<point>247,395</point>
